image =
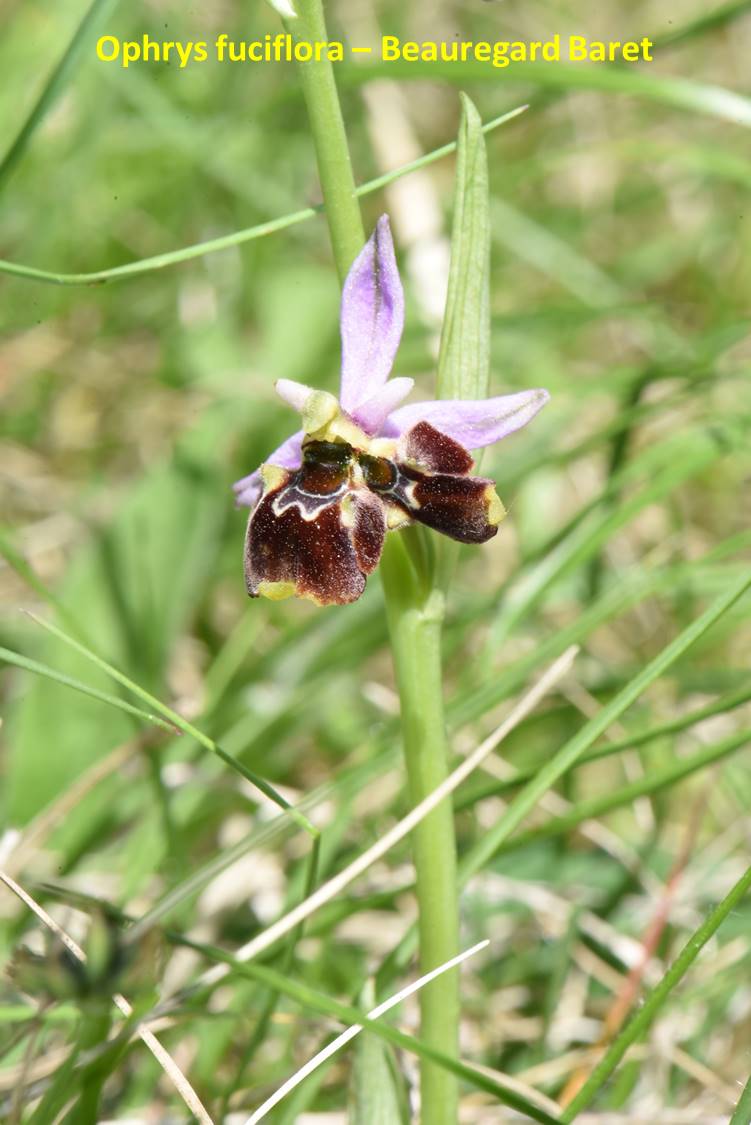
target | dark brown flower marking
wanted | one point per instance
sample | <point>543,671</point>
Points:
<point>426,448</point>
<point>368,527</point>
<point>314,534</point>
<point>462,507</point>
<point>318,531</point>
<point>379,473</point>
<point>429,480</point>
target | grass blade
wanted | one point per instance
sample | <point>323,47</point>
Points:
<point>182,724</point>
<point>379,1094</point>
<point>39,669</point>
<point>464,358</point>
<point>652,782</point>
<point>575,747</point>
<point>17,562</point>
<point>651,1006</point>
<point>55,84</point>
<point>355,1029</point>
<point>742,1114</point>
<point>170,1067</point>
<point>680,93</point>
<point>236,238</point>
<point>309,997</point>
<point>337,883</point>
<point>643,786</point>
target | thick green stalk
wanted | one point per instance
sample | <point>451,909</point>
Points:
<point>414,607</point>
<point>329,138</point>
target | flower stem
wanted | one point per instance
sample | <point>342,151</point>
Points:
<point>414,607</point>
<point>329,138</point>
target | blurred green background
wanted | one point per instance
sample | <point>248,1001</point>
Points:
<point>620,281</point>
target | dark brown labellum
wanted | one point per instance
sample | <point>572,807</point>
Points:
<point>318,531</point>
<point>315,535</point>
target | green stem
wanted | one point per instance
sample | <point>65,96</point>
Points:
<point>414,607</point>
<point>330,140</point>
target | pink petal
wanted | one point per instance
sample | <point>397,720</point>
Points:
<point>371,415</point>
<point>294,394</point>
<point>472,423</point>
<point>372,318</point>
<point>288,455</point>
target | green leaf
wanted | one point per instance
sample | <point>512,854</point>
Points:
<point>641,1021</point>
<point>131,591</point>
<point>464,359</point>
<point>64,1085</point>
<point>56,83</point>
<point>85,689</point>
<point>182,724</point>
<point>551,254</point>
<point>235,238</point>
<point>595,807</point>
<point>533,585</point>
<point>569,754</point>
<point>681,93</point>
<point>704,22</point>
<point>379,1097</point>
<point>309,997</point>
<point>742,1115</point>
<point>26,1013</point>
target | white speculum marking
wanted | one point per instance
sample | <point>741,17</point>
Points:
<point>308,504</point>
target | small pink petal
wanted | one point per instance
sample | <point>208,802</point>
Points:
<point>296,395</point>
<point>473,423</point>
<point>288,455</point>
<point>250,494</point>
<point>372,318</point>
<point>371,415</point>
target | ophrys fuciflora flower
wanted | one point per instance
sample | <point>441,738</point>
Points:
<point>362,464</point>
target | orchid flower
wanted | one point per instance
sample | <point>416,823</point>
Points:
<point>364,464</point>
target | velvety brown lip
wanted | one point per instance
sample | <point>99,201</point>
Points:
<point>314,547</point>
<point>320,531</point>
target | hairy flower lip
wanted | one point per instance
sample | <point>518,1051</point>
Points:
<point>372,319</point>
<point>318,531</point>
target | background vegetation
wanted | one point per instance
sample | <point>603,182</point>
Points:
<point>620,281</point>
